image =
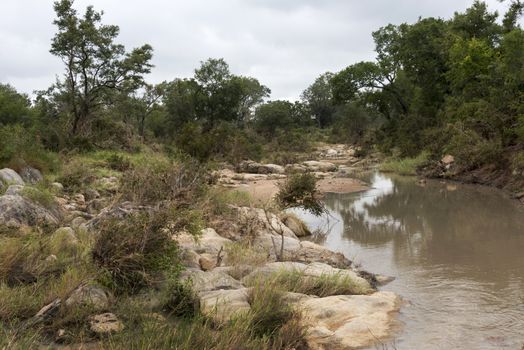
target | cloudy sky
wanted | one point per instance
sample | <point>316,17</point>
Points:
<point>283,43</point>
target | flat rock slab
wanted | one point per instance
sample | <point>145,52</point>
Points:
<point>223,305</point>
<point>350,321</point>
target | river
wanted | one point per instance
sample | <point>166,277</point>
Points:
<point>456,251</point>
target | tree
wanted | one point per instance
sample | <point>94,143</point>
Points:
<point>15,108</point>
<point>274,115</point>
<point>95,65</point>
<point>319,99</point>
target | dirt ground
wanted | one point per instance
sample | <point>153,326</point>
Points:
<point>263,190</point>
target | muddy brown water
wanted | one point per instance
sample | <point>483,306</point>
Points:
<point>457,252</point>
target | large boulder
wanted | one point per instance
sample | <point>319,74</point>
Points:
<point>258,168</point>
<point>315,270</point>
<point>297,226</point>
<point>31,175</point>
<point>311,252</point>
<point>223,305</point>
<point>261,222</point>
<point>350,321</point>
<point>318,166</point>
<point>274,246</point>
<point>10,177</point>
<point>90,295</point>
<point>18,211</point>
<point>211,280</point>
<point>209,242</point>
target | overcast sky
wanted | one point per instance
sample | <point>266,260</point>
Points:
<point>283,43</point>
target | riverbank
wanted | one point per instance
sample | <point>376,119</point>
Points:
<point>127,249</point>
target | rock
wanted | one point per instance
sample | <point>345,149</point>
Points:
<point>57,186</point>
<point>448,159</point>
<point>261,222</point>
<point>250,177</point>
<point>31,175</point>
<point>119,212</point>
<point>210,242</point>
<point>96,205</point>
<point>312,252</point>
<point>383,280</point>
<point>10,177</point>
<point>295,168</point>
<point>269,242</point>
<point>296,225</point>
<point>90,295</point>
<point>223,305</point>
<point>14,190</point>
<point>78,222</point>
<point>16,211</point>
<point>207,262</point>
<point>314,270</point>
<point>64,240</point>
<point>105,324</point>
<point>257,168</point>
<point>79,199</point>
<point>91,194</point>
<point>319,166</point>
<point>212,280</point>
<point>350,321</point>
<point>190,258</point>
<point>47,312</point>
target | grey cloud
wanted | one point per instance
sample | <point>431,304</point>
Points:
<point>283,43</point>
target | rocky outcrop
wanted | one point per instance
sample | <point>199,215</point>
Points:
<point>312,252</point>
<point>209,242</point>
<point>16,211</point>
<point>350,321</point>
<point>261,222</point>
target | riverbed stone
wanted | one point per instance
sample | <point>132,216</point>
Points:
<point>350,321</point>
<point>106,323</point>
<point>90,295</point>
<point>311,252</point>
<point>209,242</point>
<point>297,226</point>
<point>313,270</point>
<point>223,305</point>
<point>320,166</point>
<point>18,211</point>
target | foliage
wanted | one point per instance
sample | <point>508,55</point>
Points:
<point>405,166</point>
<point>133,252</point>
<point>299,191</point>
<point>95,65</point>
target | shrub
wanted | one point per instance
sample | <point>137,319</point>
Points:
<point>20,147</point>
<point>134,253</point>
<point>118,162</point>
<point>180,299</point>
<point>161,181</point>
<point>300,191</point>
<point>75,176</point>
<point>40,195</point>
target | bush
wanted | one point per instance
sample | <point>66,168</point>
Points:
<point>300,191</point>
<point>180,299</point>
<point>20,147</point>
<point>118,162</point>
<point>75,176</point>
<point>135,252</point>
<point>162,180</point>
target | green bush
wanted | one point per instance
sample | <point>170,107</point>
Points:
<point>20,147</point>
<point>136,252</point>
<point>405,166</point>
<point>472,151</point>
<point>76,175</point>
<point>300,191</point>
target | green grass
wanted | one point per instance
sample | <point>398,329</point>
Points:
<point>325,285</point>
<point>405,166</point>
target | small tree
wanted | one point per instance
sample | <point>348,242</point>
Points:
<point>300,191</point>
<point>95,65</point>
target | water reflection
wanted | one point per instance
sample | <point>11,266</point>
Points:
<point>457,253</point>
